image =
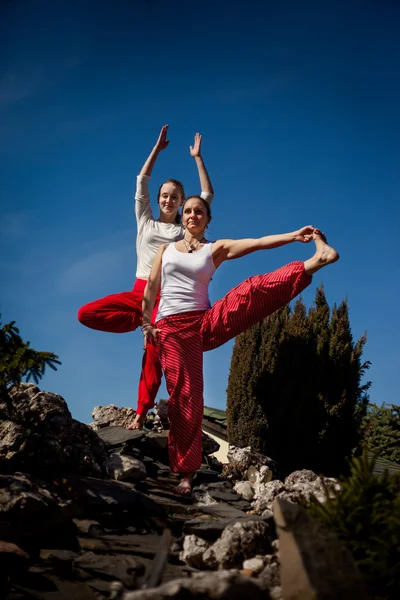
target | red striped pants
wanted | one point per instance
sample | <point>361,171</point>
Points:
<point>185,336</point>
<point>120,313</point>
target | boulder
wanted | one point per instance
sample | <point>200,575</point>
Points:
<point>109,415</point>
<point>209,444</point>
<point>240,459</point>
<point>245,490</point>
<point>225,585</point>
<point>314,564</point>
<point>39,436</point>
<point>238,542</point>
<point>265,494</point>
<point>30,515</point>
<point>193,550</point>
<point>301,476</point>
<point>125,468</point>
<point>255,565</point>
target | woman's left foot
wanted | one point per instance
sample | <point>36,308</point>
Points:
<point>184,488</point>
<point>324,253</point>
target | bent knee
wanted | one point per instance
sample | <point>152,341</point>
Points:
<point>83,315</point>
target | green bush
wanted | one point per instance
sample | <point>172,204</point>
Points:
<point>365,516</point>
<point>18,360</point>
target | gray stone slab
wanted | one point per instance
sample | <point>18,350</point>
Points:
<point>115,436</point>
<point>212,528</point>
<point>222,510</point>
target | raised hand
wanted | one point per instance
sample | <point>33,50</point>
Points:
<point>162,141</point>
<point>195,150</point>
<point>305,234</point>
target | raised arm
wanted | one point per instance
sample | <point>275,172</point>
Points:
<point>142,197</point>
<point>230,249</point>
<point>205,182</point>
<point>161,144</point>
<point>150,294</point>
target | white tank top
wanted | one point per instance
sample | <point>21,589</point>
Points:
<point>184,280</point>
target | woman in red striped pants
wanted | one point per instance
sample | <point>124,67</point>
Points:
<point>186,325</point>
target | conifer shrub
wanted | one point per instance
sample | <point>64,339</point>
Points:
<point>382,431</point>
<point>365,516</point>
<point>295,389</point>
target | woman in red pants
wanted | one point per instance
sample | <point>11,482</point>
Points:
<point>186,325</point>
<point>120,313</point>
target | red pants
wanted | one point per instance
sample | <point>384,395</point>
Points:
<point>185,336</point>
<point>120,313</point>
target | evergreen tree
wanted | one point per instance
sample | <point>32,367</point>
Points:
<point>382,431</point>
<point>294,390</point>
<point>18,360</point>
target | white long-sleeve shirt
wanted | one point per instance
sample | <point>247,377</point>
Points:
<point>151,233</point>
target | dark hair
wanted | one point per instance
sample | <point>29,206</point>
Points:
<point>206,204</point>
<point>179,185</point>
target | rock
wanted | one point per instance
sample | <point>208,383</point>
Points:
<point>238,542</point>
<point>39,436</point>
<point>13,560</point>
<point>125,468</point>
<point>156,445</point>
<point>314,564</point>
<point>240,459</point>
<point>244,489</point>
<point>111,415</point>
<point>276,593</point>
<point>99,495</point>
<point>209,444</point>
<point>193,550</point>
<point>221,509</point>
<point>303,491</point>
<point>302,476</point>
<point>265,494</point>
<point>225,585</point>
<point>114,436</point>
<point>211,529</point>
<point>262,475</point>
<point>29,515</point>
<point>226,496</point>
<point>269,577</point>
<point>123,567</point>
<point>255,565</point>
<point>205,475</point>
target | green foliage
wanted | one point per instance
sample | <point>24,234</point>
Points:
<point>365,516</point>
<point>382,431</point>
<point>294,390</point>
<point>18,360</point>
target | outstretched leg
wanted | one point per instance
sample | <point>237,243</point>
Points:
<point>256,298</point>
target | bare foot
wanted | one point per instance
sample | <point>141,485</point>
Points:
<point>324,254</point>
<point>185,485</point>
<point>137,423</point>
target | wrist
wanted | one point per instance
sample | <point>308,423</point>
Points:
<point>198,158</point>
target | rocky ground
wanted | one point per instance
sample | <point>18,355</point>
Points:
<point>88,512</point>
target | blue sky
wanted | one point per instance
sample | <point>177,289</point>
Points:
<point>298,107</point>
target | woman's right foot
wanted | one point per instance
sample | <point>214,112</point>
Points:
<point>137,423</point>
